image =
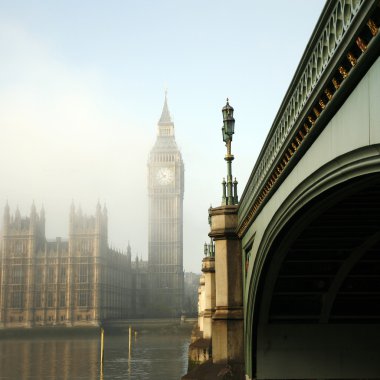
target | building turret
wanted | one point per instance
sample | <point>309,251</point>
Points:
<point>98,218</point>
<point>42,221</point>
<point>17,220</point>
<point>6,219</point>
<point>105,221</point>
<point>33,230</point>
<point>129,252</point>
<point>33,219</point>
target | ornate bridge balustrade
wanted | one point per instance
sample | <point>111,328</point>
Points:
<point>331,66</point>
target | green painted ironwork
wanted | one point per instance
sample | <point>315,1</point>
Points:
<point>230,187</point>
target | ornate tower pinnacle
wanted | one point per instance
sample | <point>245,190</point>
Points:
<point>33,211</point>
<point>165,124</point>
<point>230,196</point>
<point>33,219</point>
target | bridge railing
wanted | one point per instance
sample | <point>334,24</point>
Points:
<point>344,32</point>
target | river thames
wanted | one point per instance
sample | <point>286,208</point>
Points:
<point>158,351</point>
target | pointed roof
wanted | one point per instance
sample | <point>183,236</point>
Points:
<point>33,208</point>
<point>165,118</point>
<point>17,213</point>
<point>7,214</point>
<point>98,208</point>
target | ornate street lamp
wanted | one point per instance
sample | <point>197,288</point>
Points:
<point>228,128</point>
<point>230,197</point>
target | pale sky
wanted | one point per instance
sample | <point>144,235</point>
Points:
<point>82,88</point>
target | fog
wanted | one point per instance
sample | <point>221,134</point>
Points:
<point>82,88</point>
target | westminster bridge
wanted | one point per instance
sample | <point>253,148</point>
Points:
<point>307,227</point>
<point>309,217</point>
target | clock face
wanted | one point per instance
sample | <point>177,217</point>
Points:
<point>165,176</point>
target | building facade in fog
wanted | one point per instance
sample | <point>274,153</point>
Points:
<point>79,281</point>
<point>165,189</point>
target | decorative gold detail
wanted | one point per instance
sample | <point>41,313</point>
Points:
<point>328,93</point>
<point>307,129</point>
<point>343,72</point>
<point>294,146</point>
<point>301,134</point>
<point>322,104</point>
<point>298,140</point>
<point>287,157</point>
<point>352,59</point>
<point>335,83</point>
<point>317,113</point>
<point>312,121</point>
<point>290,152</point>
<point>372,27</point>
<point>279,169</point>
<point>361,44</point>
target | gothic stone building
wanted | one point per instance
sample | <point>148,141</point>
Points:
<point>166,189</point>
<point>79,281</point>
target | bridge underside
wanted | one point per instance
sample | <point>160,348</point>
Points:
<point>320,300</point>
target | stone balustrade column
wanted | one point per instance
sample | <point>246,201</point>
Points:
<point>208,268</point>
<point>227,327</point>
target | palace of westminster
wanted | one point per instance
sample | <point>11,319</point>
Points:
<point>81,280</point>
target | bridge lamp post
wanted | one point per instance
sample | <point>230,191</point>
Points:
<point>228,130</point>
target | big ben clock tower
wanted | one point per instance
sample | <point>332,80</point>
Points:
<point>165,189</point>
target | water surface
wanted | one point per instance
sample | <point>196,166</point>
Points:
<point>158,351</point>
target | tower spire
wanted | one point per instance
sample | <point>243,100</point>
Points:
<point>165,118</point>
